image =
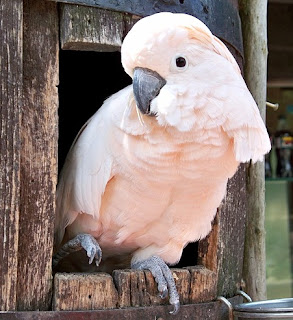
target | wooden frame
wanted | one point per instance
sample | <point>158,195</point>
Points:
<point>29,78</point>
<point>30,160</point>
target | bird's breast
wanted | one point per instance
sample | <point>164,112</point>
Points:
<point>158,185</point>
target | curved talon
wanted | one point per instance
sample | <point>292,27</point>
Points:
<point>164,278</point>
<point>81,241</point>
<point>176,308</point>
<point>163,294</point>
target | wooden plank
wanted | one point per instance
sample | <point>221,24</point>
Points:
<point>254,21</point>
<point>81,291</point>
<point>207,311</point>
<point>208,248</point>
<point>232,215</point>
<point>39,137</point>
<point>203,284</point>
<point>90,29</point>
<point>84,291</point>
<point>225,24</point>
<point>203,311</point>
<point>136,288</point>
<point>182,279</point>
<point>10,106</point>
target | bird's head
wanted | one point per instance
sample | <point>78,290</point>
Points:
<point>171,57</point>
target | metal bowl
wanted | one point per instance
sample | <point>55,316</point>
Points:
<point>269,309</point>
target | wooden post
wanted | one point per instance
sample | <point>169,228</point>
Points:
<point>39,136</point>
<point>10,106</point>
<point>254,25</point>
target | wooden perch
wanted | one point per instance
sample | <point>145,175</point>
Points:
<point>129,288</point>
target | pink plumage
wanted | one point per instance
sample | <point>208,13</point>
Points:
<point>147,185</point>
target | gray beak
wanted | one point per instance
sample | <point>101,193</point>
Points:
<point>146,86</point>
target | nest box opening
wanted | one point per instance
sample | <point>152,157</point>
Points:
<point>86,80</point>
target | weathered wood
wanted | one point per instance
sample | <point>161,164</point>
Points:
<point>208,248</point>
<point>132,289</point>
<point>182,279</point>
<point>39,135</point>
<point>90,29</point>
<point>203,284</point>
<point>254,22</point>
<point>232,215</point>
<point>84,291</point>
<point>203,311</point>
<point>10,106</point>
<point>122,282</point>
<point>221,17</point>
<point>136,288</point>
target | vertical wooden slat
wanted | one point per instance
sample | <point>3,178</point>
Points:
<point>232,234</point>
<point>39,134</point>
<point>254,23</point>
<point>10,103</point>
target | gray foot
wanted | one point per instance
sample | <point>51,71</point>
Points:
<point>81,241</point>
<point>163,277</point>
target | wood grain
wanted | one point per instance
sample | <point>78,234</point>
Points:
<point>254,21</point>
<point>84,291</point>
<point>10,106</point>
<point>90,29</point>
<point>39,136</point>
<point>232,215</point>
<point>203,284</point>
<point>129,288</point>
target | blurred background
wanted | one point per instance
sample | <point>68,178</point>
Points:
<point>279,163</point>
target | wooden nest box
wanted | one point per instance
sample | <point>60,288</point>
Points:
<point>36,34</point>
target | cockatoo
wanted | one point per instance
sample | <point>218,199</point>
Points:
<point>147,172</point>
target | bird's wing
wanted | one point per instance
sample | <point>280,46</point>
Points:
<point>88,166</point>
<point>245,125</point>
<point>85,173</point>
<point>243,121</point>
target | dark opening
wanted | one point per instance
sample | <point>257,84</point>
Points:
<point>86,80</point>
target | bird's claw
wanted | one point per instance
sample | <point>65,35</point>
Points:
<point>85,241</point>
<point>92,248</point>
<point>163,277</point>
<point>163,293</point>
<point>176,308</point>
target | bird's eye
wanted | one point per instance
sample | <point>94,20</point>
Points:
<point>180,62</point>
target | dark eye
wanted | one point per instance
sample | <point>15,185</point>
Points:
<point>180,62</point>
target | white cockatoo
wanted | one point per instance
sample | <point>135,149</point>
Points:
<point>148,171</point>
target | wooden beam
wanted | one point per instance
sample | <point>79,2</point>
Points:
<point>254,22</point>
<point>10,106</point>
<point>39,136</point>
<point>210,310</point>
<point>90,29</point>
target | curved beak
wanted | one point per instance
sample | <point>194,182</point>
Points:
<point>146,86</point>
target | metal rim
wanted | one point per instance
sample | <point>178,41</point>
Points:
<point>257,315</point>
<point>267,306</point>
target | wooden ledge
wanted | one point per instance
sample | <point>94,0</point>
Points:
<point>208,311</point>
<point>129,288</point>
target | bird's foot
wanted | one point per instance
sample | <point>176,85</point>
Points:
<point>163,277</point>
<point>82,241</point>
